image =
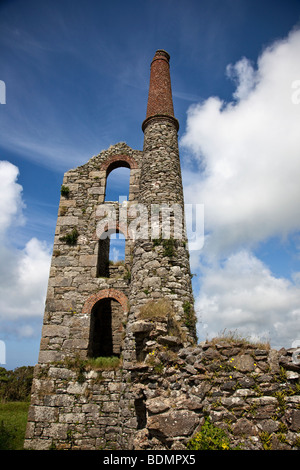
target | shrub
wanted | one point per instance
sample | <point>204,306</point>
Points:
<point>168,244</point>
<point>15,385</point>
<point>209,438</point>
<point>70,238</point>
<point>65,191</point>
<point>189,315</point>
<point>169,247</point>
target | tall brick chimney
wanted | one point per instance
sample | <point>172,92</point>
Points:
<point>160,262</point>
<point>160,102</point>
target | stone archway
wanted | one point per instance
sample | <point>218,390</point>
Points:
<point>106,294</point>
<point>116,161</point>
<point>106,309</point>
<point>120,161</point>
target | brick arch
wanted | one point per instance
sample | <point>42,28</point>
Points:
<point>115,227</point>
<point>106,294</point>
<point>116,161</point>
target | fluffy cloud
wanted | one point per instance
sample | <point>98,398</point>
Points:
<point>249,151</point>
<point>242,294</point>
<point>10,196</point>
<point>23,272</point>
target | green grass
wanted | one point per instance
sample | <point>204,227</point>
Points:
<point>13,419</point>
<point>103,363</point>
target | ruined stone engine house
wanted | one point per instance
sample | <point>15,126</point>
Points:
<point>130,309</point>
<point>119,367</point>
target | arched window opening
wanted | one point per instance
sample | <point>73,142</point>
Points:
<point>111,252</point>
<point>106,329</point>
<point>117,183</point>
<point>117,248</point>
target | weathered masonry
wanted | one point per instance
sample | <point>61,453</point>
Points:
<point>119,367</point>
<point>96,308</point>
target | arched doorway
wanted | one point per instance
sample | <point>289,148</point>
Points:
<point>107,309</point>
<point>106,329</point>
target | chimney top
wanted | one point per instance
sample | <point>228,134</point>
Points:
<point>161,53</point>
<point>160,102</point>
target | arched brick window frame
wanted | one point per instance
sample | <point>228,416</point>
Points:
<point>114,227</point>
<point>106,294</point>
<point>116,161</point>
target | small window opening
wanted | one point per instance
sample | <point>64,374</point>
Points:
<point>140,341</point>
<point>117,184</point>
<point>111,252</point>
<point>106,329</point>
<point>117,248</point>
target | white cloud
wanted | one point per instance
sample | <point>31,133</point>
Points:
<point>10,196</point>
<point>244,75</point>
<point>23,272</point>
<point>242,295</point>
<point>249,152</point>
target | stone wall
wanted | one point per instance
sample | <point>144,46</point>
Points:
<point>251,392</point>
<point>76,408</point>
<point>76,271</point>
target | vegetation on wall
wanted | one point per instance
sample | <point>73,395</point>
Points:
<point>71,237</point>
<point>168,244</point>
<point>65,191</point>
<point>210,437</point>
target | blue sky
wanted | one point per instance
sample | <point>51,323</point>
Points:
<point>77,76</point>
